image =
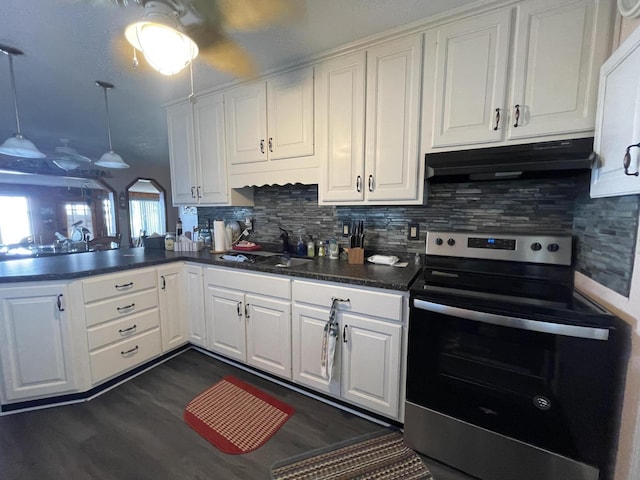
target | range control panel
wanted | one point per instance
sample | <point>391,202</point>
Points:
<point>551,249</point>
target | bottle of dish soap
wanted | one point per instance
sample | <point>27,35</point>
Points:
<point>301,246</point>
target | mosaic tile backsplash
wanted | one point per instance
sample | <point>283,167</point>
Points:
<point>557,205</point>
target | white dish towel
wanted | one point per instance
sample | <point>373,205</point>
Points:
<point>329,340</point>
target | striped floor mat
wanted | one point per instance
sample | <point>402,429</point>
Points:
<point>381,456</point>
<point>235,416</point>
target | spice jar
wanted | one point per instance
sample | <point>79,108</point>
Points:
<point>169,241</point>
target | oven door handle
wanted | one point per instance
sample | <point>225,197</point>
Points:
<point>591,333</point>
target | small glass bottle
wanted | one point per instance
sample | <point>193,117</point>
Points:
<point>333,249</point>
<point>311,248</point>
<point>320,246</point>
<point>179,227</point>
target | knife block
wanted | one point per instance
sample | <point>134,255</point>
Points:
<point>355,256</point>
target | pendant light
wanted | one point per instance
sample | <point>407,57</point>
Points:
<point>18,145</point>
<point>110,159</point>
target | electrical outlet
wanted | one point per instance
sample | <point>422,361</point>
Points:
<point>414,231</point>
<point>346,227</point>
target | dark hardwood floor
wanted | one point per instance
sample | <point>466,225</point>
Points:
<point>136,431</point>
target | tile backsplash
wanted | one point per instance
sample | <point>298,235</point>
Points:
<point>551,205</point>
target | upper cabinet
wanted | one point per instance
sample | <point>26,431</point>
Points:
<point>197,154</point>
<point>270,130</point>
<point>618,122</point>
<point>517,74</point>
<point>369,106</point>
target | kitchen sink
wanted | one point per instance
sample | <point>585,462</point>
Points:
<point>280,262</point>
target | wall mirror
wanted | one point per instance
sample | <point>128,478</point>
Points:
<point>147,209</point>
<point>46,214</point>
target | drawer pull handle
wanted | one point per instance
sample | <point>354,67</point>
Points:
<point>344,333</point>
<point>517,107</point>
<point>246,311</point>
<point>271,144</point>
<point>497,119</point>
<point>358,184</point>
<point>130,351</point>
<point>238,309</point>
<point>125,285</point>
<point>59,302</point>
<point>126,307</point>
<point>371,183</point>
<point>127,331</point>
<point>262,145</point>
<point>164,282</point>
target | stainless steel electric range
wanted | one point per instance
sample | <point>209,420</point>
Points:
<point>511,374</point>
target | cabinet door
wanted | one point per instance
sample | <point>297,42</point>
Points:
<point>371,363</point>
<point>307,328</point>
<point>618,122</point>
<point>269,334</point>
<point>182,158</point>
<point>210,148</point>
<point>246,121</point>
<point>194,305</point>
<point>225,322</point>
<point>36,348</point>
<point>393,106</point>
<point>172,321</point>
<point>559,47</point>
<point>290,114</point>
<point>466,80</point>
<point>343,95</point>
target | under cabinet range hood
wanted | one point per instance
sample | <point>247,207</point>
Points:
<point>513,161</point>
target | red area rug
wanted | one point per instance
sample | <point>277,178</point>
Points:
<point>235,416</point>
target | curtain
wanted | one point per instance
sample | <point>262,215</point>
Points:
<point>146,215</point>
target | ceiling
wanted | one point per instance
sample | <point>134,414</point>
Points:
<point>68,44</point>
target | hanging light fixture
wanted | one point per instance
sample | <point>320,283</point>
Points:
<point>160,38</point>
<point>110,159</point>
<point>18,145</point>
<point>67,158</point>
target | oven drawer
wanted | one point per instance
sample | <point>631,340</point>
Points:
<point>122,356</point>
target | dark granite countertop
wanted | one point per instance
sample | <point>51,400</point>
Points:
<point>66,267</point>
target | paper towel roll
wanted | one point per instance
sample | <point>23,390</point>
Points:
<point>219,236</point>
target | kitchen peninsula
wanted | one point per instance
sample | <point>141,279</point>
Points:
<point>76,324</point>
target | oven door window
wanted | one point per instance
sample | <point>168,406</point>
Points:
<point>523,384</point>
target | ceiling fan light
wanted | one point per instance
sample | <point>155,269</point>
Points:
<point>19,146</point>
<point>111,160</point>
<point>166,49</point>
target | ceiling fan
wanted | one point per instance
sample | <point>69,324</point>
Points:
<point>198,28</point>
<point>67,158</point>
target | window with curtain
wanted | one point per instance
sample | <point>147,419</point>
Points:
<point>77,212</point>
<point>15,219</point>
<point>147,214</point>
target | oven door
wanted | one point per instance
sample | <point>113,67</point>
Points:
<point>546,384</point>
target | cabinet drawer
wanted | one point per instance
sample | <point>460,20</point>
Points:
<point>122,356</point>
<point>120,307</point>
<point>264,284</point>
<point>108,286</point>
<point>375,303</point>
<point>122,329</point>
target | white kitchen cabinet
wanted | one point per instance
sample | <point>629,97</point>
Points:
<point>122,320</point>
<point>370,105</point>
<point>522,73</point>
<point>36,347</point>
<point>170,299</point>
<point>368,359</point>
<point>248,318</point>
<point>618,122</point>
<point>270,130</point>
<point>193,299</point>
<point>197,155</point>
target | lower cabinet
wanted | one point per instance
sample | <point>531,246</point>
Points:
<point>36,350</point>
<point>367,368</point>
<point>193,302</point>
<point>248,318</point>
<point>172,320</point>
<point>122,318</point>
